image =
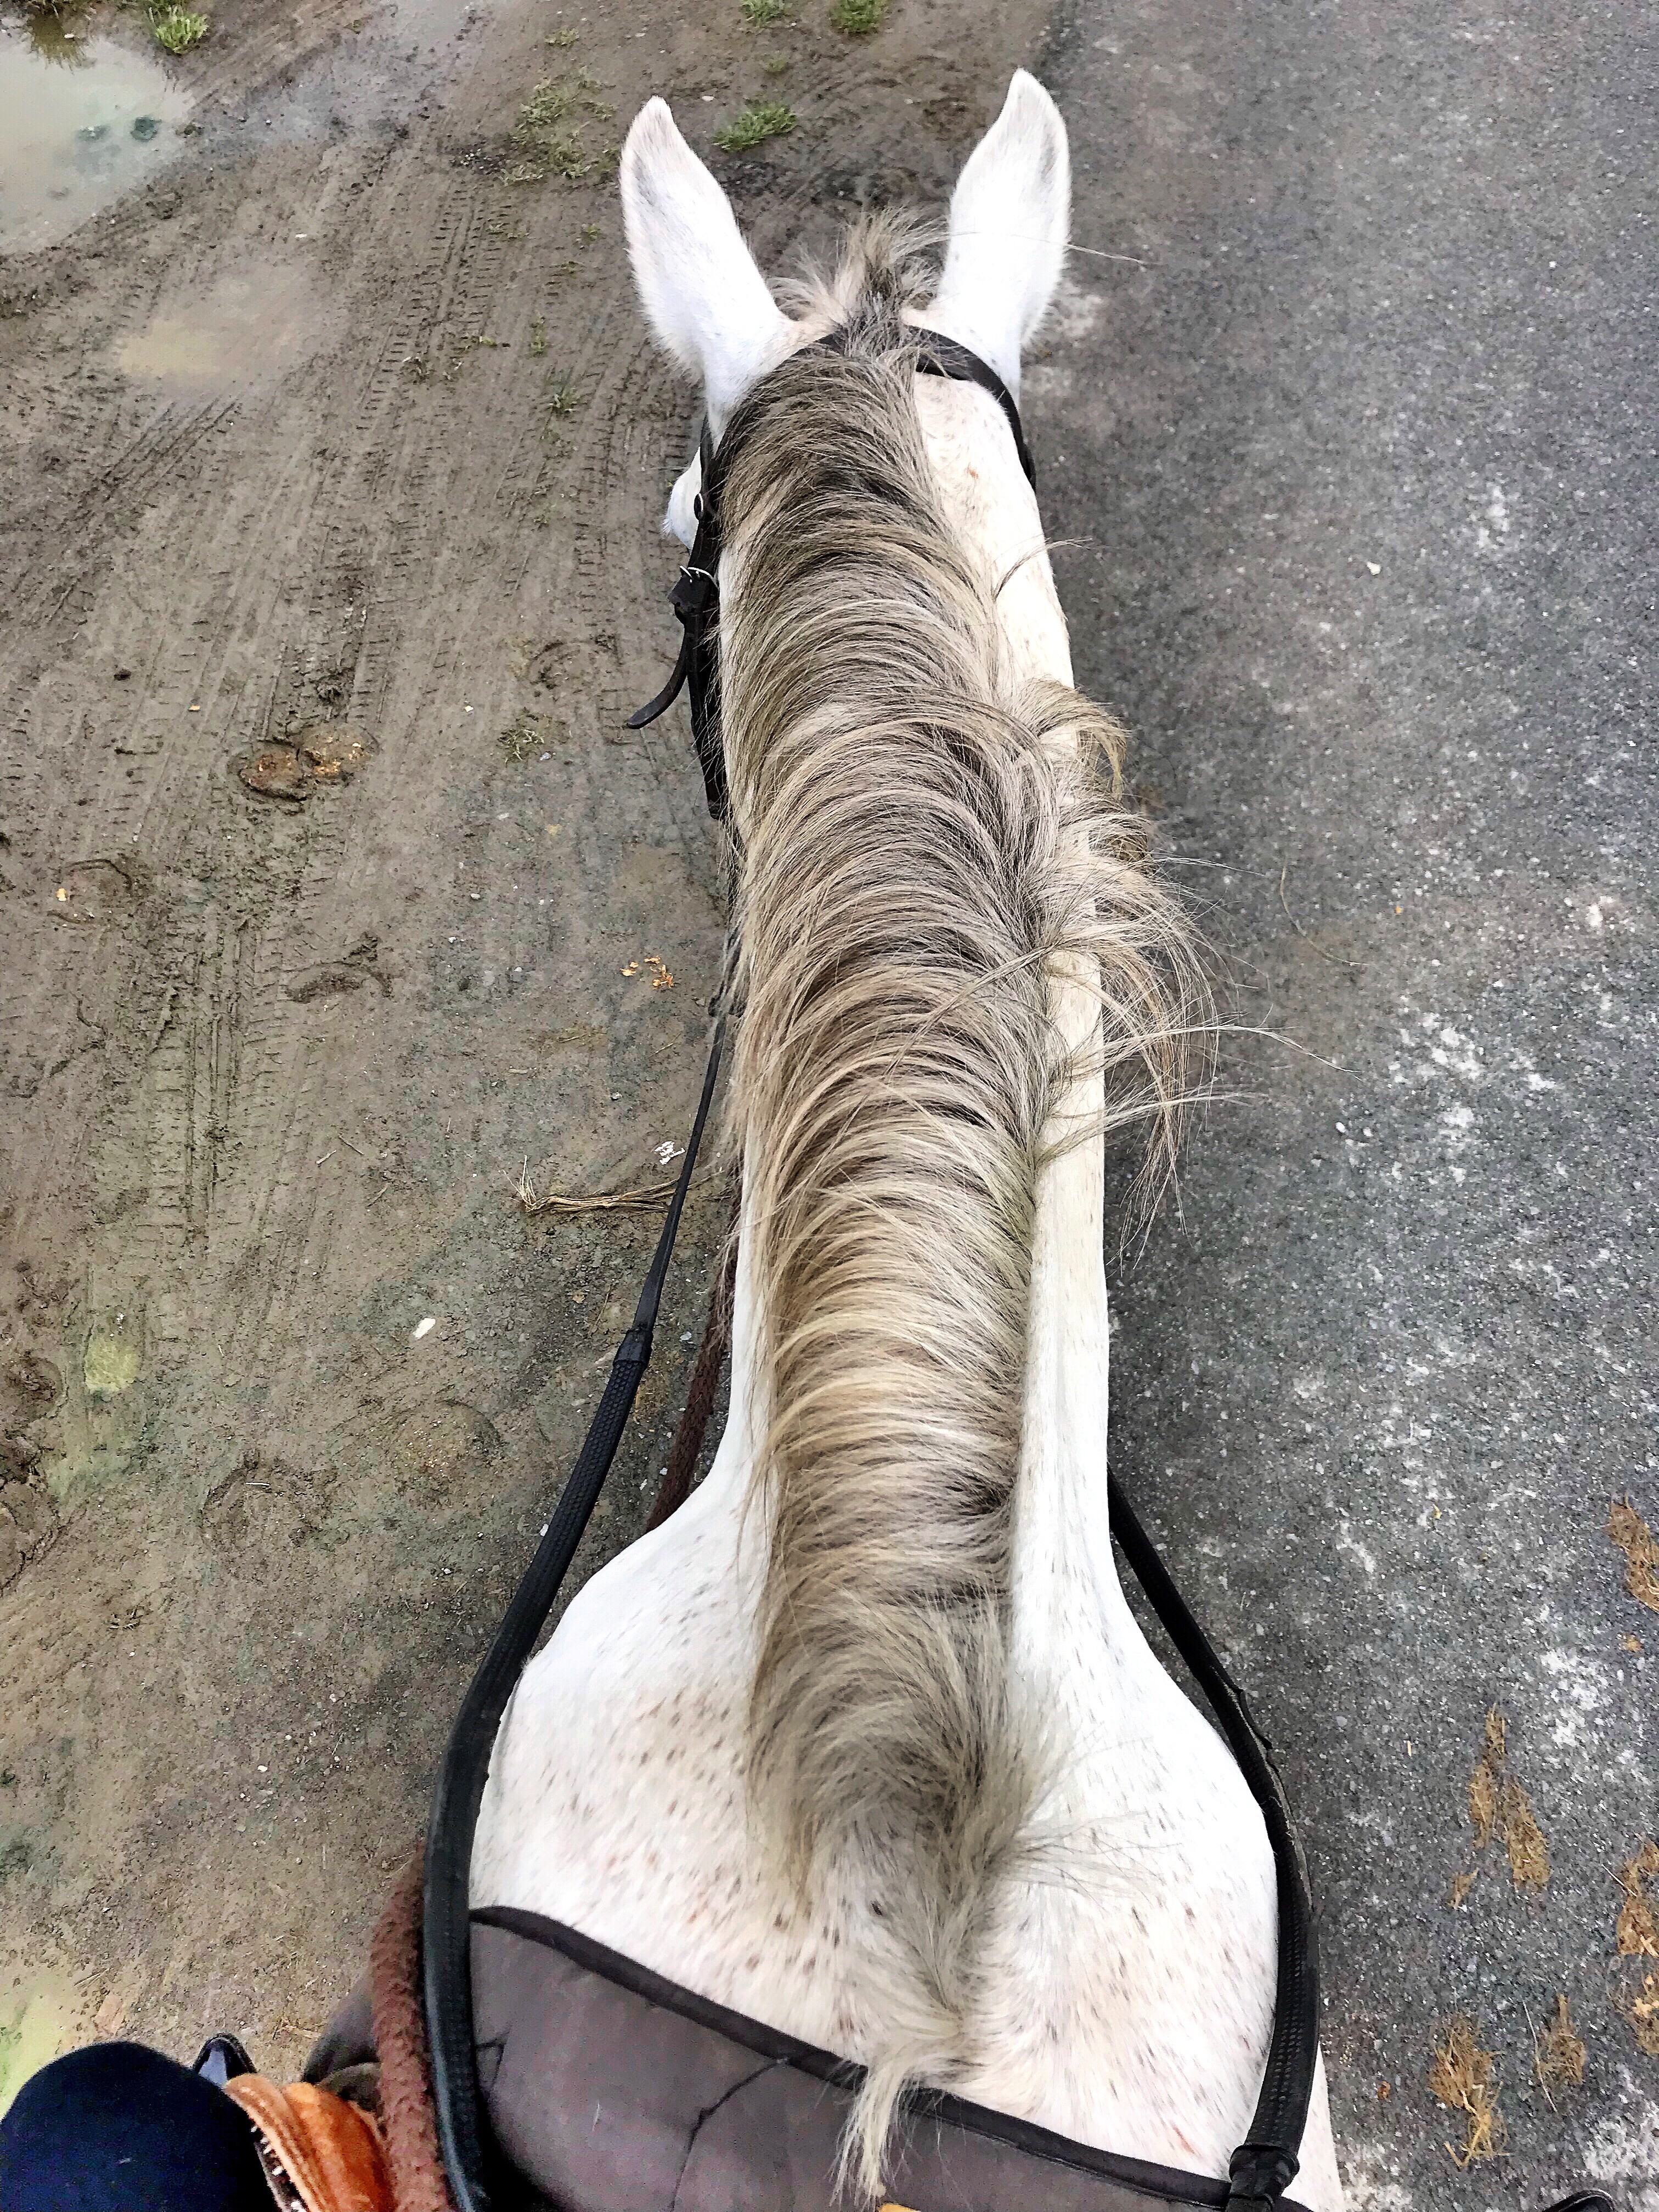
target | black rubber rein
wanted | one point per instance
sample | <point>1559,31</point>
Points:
<point>446,1940</point>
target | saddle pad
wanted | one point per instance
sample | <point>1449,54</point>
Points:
<point>609,2089</point>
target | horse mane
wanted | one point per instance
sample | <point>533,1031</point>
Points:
<point>920,846</point>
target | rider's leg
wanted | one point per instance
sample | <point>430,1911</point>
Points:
<point>116,2128</point>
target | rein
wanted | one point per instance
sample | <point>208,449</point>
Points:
<point>1263,2167</point>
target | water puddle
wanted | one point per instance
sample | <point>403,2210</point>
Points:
<point>82,120</point>
<point>243,331</point>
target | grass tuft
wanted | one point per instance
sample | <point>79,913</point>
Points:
<point>761,12</point>
<point>568,37</point>
<point>857,18</point>
<point>524,736</point>
<point>544,149</point>
<point>775,64</point>
<point>761,120</point>
<point>177,30</point>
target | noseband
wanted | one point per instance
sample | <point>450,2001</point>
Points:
<point>695,595</point>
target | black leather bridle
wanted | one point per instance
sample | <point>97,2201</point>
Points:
<point>1266,2163</point>
<point>694,594</point>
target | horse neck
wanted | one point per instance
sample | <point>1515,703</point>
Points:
<point>1068,1611</point>
<point>1068,1606</point>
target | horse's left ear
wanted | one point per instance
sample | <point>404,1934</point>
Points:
<point>705,298</point>
<point>1010,215</point>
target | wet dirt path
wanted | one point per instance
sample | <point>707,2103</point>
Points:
<point>330,426</point>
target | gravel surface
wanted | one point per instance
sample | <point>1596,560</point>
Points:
<point>1349,418</point>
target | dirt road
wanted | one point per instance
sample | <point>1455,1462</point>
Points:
<point>344,421</point>
<point>333,452</point>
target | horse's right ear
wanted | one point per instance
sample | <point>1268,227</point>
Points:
<point>702,294</point>
<point>1010,215</point>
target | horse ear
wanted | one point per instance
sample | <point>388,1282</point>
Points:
<point>701,293</point>
<point>1010,214</point>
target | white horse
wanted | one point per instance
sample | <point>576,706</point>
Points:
<point>864,1742</point>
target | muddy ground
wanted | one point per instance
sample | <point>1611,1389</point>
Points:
<point>335,423</point>
<point>342,422</point>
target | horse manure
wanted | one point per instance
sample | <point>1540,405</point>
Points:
<point>1499,1806</point>
<point>1641,2011</point>
<point>275,772</point>
<point>333,752</point>
<point>1461,2079</point>
<point>1559,2054</point>
<point>1635,1931</point>
<point>1631,1533</point>
<point>326,753</point>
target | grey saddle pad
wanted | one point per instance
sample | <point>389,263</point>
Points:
<point>611,2090</point>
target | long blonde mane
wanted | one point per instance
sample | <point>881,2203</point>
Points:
<point>920,846</point>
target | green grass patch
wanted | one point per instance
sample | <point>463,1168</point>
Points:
<point>549,103</point>
<point>543,139</point>
<point>562,397</point>
<point>762,12</point>
<point>761,120</point>
<point>568,37</point>
<point>857,18</point>
<point>178,29</point>
<point>775,64</point>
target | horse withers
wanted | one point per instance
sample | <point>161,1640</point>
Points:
<point>863,1747</point>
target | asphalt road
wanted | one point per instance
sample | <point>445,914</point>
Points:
<point>1350,418</point>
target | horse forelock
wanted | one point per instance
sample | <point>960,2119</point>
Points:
<point>919,844</point>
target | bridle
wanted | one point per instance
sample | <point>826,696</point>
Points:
<point>694,594</point>
<point>1265,2163</point>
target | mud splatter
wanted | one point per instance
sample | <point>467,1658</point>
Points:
<point>1462,2079</point>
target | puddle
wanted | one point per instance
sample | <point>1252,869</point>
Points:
<point>82,120</point>
<point>240,333</point>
